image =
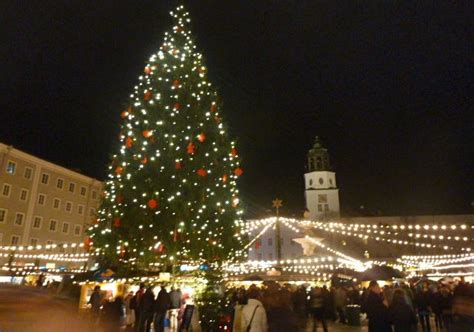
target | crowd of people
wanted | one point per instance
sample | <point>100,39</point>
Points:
<point>403,307</point>
<point>398,308</point>
<point>137,311</point>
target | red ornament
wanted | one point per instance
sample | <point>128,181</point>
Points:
<point>234,152</point>
<point>218,119</point>
<point>175,51</point>
<point>213,108</point>
<point>191,147</point>
<point>148,95</point>
<point>145,160</point>
<point>129,142</point>
<point>120,199</point>
<point>176,84</point>
<point>177,106</point>
<point>147,133</point>
<point>238,171</point>
<point>160,249</point>
<point>201,172</point>
<point>152,204</point>
<point>147,70</point>
<point>178,165</point>
<point>87,243</point>
<point>124,114</point>
<point>117,222</point>
<point>201,137</point>
<point>119,170</point>
<point>224,178</point>
<point>122,252</point>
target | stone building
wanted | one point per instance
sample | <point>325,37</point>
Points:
<point>42,203</point>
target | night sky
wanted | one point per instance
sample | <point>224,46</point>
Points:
<point>387,85</point>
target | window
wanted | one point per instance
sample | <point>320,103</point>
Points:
<point>80,209</point>
<point>24,195</point>
<point>72,187</point>
<point>41,199</point>
<point>19,217</point>
<point>66,227</point>
<point>11,167</point>
<point>6,191</point>
<point>270,256</point>
<point>320,208</point>
<point>310,182</point>
<point>259,257</point>
<point>37,222</point>
<point>258,243</point>
<point>83,191</point>
<point>52,225</point>
<point>59,183</point>
<point>44,178</point>
<point>68,206</point>
<point>322,198</point>
<point>270,241</point>
<point>28,173</point>
<point>92,212</point>
<point>15,240</point>
<point>3,215</point>
<point>33,242</point>
<point>56,203</point>
<point>326,207</point>
<point>94,194</point>
<point>77,230</point>
<point>321,180</point>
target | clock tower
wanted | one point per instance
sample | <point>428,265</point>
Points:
<point>321,193</point>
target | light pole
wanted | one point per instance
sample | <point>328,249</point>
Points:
<point>277,204</point>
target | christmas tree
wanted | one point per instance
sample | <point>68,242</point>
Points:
<point>171,192</point>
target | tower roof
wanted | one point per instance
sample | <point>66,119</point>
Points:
<point>317,146</point>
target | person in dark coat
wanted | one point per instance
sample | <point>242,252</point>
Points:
<point>113,313</point>
<point>162,305</point>
<point>135,305</point>
<point>376,309</point>
<point>146,308</point>
<point>401,314</point>
<point>300,307</point>
<point>446,308</point>
<point>318,307</point>
<point>95,301</point>
<point>423,299</point>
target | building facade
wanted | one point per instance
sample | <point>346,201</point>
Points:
<point>42,203</point>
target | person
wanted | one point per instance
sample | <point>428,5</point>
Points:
<point>423,300</point>
<point>129,312</point>
<point>95,301</point>
<point>241,301</point>
<point>376,309</point>
<point>176,297</point>
<point>146,308</point>
<point>162,305</point>
<point>340,301</point>
<point>436,308</point>
<point>446,308</point>
<point>113,313</point>
<point>135,304</point>
<point>401,314</point>
<point>299,306</point>
<point>254,317</point>
<point>318,308</point>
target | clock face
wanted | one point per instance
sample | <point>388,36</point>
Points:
<point>321,181</point>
